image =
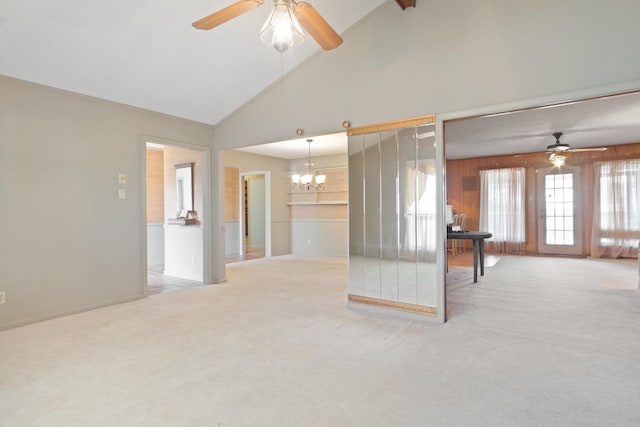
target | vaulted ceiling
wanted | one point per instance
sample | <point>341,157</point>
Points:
<point>145,53</point>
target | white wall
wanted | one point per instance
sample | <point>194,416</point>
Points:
<point>67,243</point>
<point>231,239</point>
<point>155,245</point>
<point>446,55</point>
<point>183,251</point>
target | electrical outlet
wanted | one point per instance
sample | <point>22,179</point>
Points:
<point>194,260</point>
<point>2,297</point>
<point>308,242</point>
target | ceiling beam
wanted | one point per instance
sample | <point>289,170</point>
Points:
<point>406,3</point>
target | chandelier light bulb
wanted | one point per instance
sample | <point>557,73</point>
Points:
<point>308,181</point>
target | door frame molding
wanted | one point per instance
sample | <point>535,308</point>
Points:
<point>205,219</point>
<point>578,247</point>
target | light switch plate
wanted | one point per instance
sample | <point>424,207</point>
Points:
<point>122,178</point>
<point>122,193</point>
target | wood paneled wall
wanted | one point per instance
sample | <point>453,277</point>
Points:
<point>463,185</point>
<point>155,186</point>
<point>231,193</point>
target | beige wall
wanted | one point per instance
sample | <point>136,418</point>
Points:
<point>249,162</point>
<point>335,190</point>
<point>67,243</point>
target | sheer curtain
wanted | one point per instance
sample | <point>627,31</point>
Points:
<point>502,209</point>
<point>616,210</point>
<point>420,212</point>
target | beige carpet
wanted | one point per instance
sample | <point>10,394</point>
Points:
<point>538,341</point>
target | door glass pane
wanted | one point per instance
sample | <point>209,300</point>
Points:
<point>559,209</point>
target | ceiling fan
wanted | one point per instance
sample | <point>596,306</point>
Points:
<point>282,28</point>
<point>558,149</point>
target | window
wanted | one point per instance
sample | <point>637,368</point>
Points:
<point>502,208</point>
<point>616,222</point>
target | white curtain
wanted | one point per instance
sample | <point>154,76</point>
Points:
<point>420,211</point>
<point>616,210</point>
<point>502,209</point>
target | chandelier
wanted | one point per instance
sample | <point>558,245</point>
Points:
<point>308,181</point>
<point>281,29</point>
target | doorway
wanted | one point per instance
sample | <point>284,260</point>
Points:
<point>255,224</point>
<point>176,252</point>
<point>559,217</point>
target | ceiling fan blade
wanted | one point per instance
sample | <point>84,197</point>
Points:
<point>226,14</point>
<point>316,26</point>
<point>575,150</point>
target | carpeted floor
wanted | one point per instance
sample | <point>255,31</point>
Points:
<point>538,341</point>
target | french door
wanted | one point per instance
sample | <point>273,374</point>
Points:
<point>559,213</point>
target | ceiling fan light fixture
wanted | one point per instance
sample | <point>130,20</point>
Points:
<point>557,159</point>
<point>282,30</point>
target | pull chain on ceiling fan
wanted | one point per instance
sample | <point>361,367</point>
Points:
<point>282,28</point>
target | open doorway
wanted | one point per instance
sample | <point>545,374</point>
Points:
<point>253,208</point>
<point>560,205</point>
<point>175,215</point>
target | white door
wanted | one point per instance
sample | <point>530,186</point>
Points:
<point>559,213</point>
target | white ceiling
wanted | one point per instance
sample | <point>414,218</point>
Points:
<point>145,53</point>
<point>605,121</point>
<point>322,145</point>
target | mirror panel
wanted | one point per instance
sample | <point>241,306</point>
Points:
<point>184,189</point>
<point>389,234</point>
<point>356,215</point>
<point>372,215</point>
<point>393,217</point>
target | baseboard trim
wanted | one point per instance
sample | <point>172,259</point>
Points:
<point>69,312</point>
<point>403,306</point>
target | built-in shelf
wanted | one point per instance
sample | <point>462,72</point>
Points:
<point>318,192</point>
<point>328,202</point>
<point>326,169</point>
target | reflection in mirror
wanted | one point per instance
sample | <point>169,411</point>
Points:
<point>184,189</point>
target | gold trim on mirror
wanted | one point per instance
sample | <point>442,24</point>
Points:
<point>380,127</point>
<point>412,308</point>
